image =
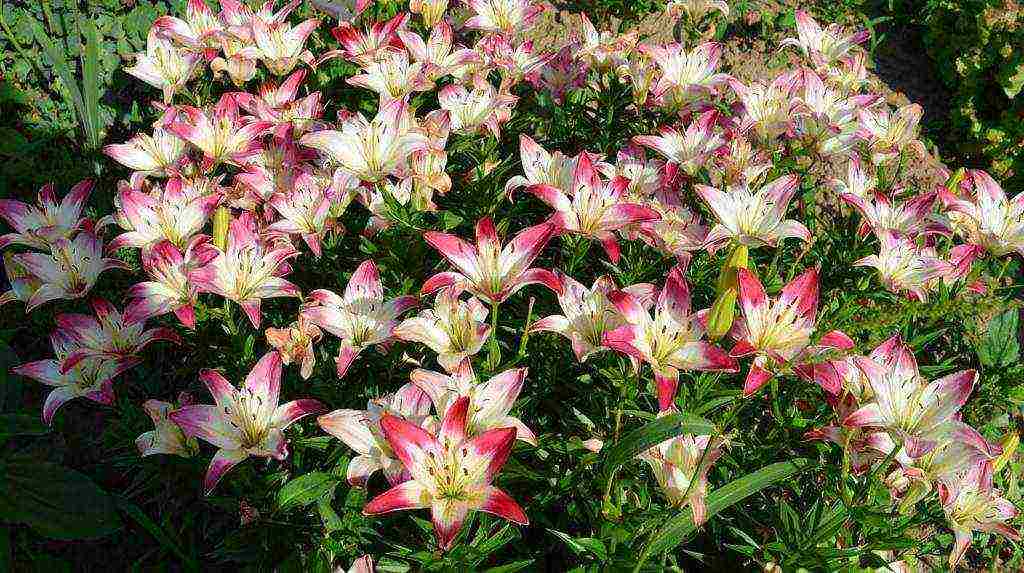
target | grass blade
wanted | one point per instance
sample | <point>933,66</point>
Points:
<point>90,82</point>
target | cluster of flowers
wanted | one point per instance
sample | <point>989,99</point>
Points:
<point>287,173</point>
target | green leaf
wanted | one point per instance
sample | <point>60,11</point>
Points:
<point>63,70</point>
<point>306,489</point>
<point>133,511</point>
<point>676,529</point>
<point>510,567</point>
<point>90,83</point>
<point>583,545</point>
<point>21,425</point>
<point>55,501</point>
<point>1000,347</point>
<point>652,434</point>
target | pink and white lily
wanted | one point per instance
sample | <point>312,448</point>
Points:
<point>169,288</point>
<point>162,214</point>
<point>432,11</point>
<point>588,313</point>
<point>166,437</point>
<point>369,151</point>
<point>911,218</point>
<point>687,77</point>
<point>221,133</point>
<point>779,332</point>
<point>592,207</point>
<point>753,218</point>
<point>69,270</point>
<point>364,48</point>
<point>361,318</point>
<point>157,155</point>
<point>486,269</point>
<point>439,55</point>
<point>507,17</point>
<point>823,46</point>
<point>471,111</point>
<point>243,422</point>
<point>361,431</point>
<point>915,412</point>
<point>489,402</point>
<point>974,504</point>
<point>670,340</point>
<point>305,211</point>
<point>988,220</point>
<point>280,45</point>
<point>199,29</point>
<point>23,284</point>
<point>905,267</point>
<point>681,466</point>
<point>451,472</point>
<point>40,225</point>
<point>689,150</point>
<point>280,105</point>
<point>696,10</point>
<point>164,65</point>
<point>393,76</point>
<point>91,379</point>
<point>554,169</point>
<point>248,270</point>
<point>454,329</point>
<point>295,344</point>
<point>107,335</point>
<point>768,109</point>
<point>887,133</point>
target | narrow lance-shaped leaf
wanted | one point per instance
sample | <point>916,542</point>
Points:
<point>650,435</point>
<point>679,527</point>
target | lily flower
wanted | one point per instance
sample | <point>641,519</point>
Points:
<point>696,10</point>
<point>516,62</point>
<point>360,318</point>
<point>910,218</point>
<point>588,314</point>
<point>91,379</point>
<point>69,270</point>
<point>753,218</point>
<point>858,182</point>
<point>166,437</point>
<point>827,115</point>
<point>489,402</point>
<point>973,504</point>
<point>365,563</point>
<point>200,28</point>
<point>305,211</point>
<point>438,55</point>
<point>686,77</point>
<point>278,104</point>
<point>601,50</point>
<point>23,284</point>
<point>888,134</point>
<point>238,59</point>
<point>107,335</point>
<point>40,225</point>
<point>823,46</point>
<point>361,431</point>
<point>248,270</point>
<point>670,340</point>
<point>989,221</point>
<point>222,134</point>
<point>364,48</point>
<point>689,150</point>
<point>739,162</point>
<point>281,46</point>
<point>472,111</point>
<point>163,65</point>
<point>451,472</point>
<point>678,232</point>
<point>486,269</point>
<point>905,267</point>
<point>375,199</point>
<point>768,110</point>
<point>454,329</point>
<point>369,151</point>
<point>549,168</point>
<point>167,214</point>
<point>244,421</point>
<point>393,76</point>
<point>914,411</point>
<point>593,208</point>
<point>507,17</point>
<point>644,175</point>
<point>432,11</point>
<point>681,466</point>
<point>779,332</point>
<point>169,288</point>
<point>156,155</point>
<point>295,344</point>
<point>559,74</point>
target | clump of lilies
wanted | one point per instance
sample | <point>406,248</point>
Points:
<point>226,198</point>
